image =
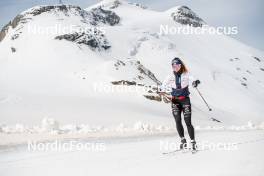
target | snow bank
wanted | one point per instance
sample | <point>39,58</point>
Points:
<point>50,125</point>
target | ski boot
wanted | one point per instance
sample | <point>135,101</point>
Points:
<point>193,146</point>
<point>183,145</point>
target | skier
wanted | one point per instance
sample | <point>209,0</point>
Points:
<point>178,85</point>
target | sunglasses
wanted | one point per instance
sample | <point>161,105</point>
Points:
<point>176,65</point>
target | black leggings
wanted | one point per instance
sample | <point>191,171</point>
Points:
<point>179,106</point>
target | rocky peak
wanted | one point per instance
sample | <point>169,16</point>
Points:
<point>104,16</point>
<point>96,40</point>
<point>94,16</point>
<point>27,15</point>
<point>184,15</point>
<point>66,9</point>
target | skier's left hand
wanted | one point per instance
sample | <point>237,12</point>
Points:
<point>196,83</point>
<point>161,93</point>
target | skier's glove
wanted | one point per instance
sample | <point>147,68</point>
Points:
<point>195,83</point>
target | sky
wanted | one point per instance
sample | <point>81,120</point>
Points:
<point>247,15</point>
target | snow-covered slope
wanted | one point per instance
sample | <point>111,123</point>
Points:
<point>54,74</point>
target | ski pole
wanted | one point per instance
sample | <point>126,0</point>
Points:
<point>203,99</point>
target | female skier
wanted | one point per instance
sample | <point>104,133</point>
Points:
<point>178,85</point>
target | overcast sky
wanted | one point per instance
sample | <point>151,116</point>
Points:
<point>248,15</point>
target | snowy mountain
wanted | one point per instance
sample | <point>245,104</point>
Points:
<point>46,71</point>
<point>82,85</point>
